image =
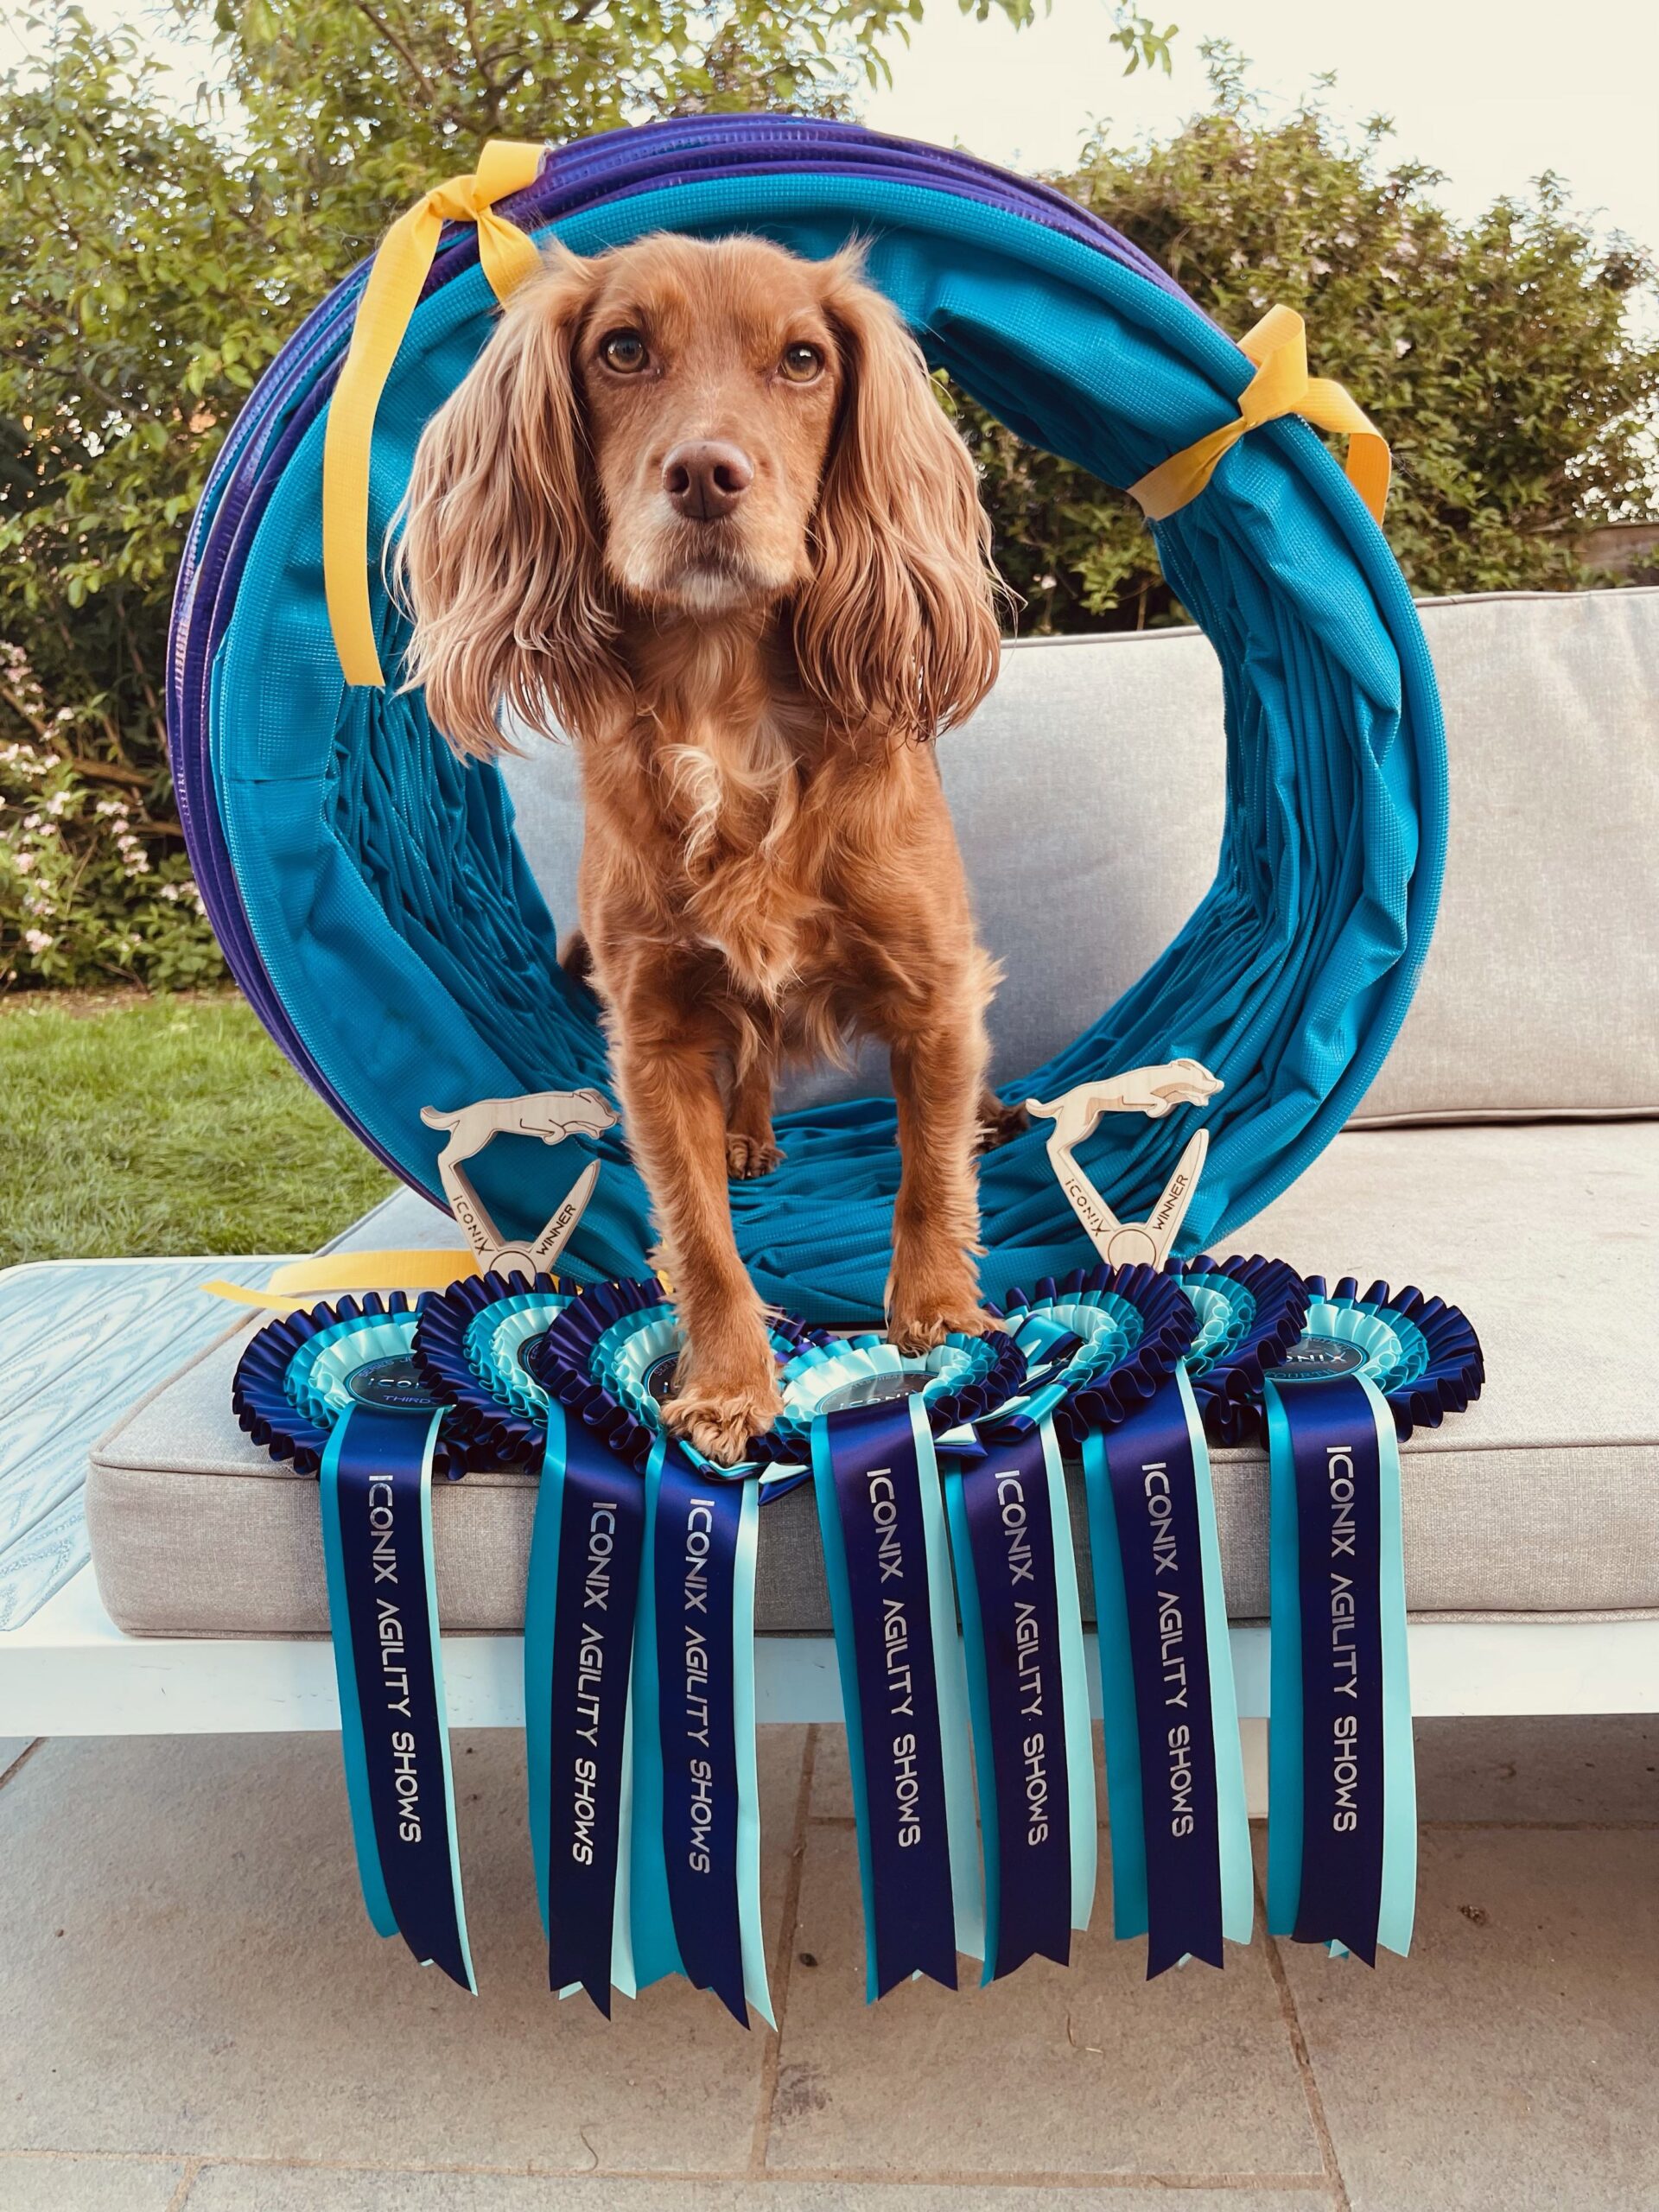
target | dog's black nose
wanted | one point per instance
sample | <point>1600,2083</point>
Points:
<point>705,478</point>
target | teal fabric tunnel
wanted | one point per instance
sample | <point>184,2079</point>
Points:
<point>374,904</point>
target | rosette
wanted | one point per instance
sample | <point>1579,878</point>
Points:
<point>337,1391</point>
<point>1250,1312</point>
<point>639,1660</point>
<point>1364,1372</point>
<point>1113,1351</point>
<point>610,1358</point>
<point>300,1374</point>
<point>1117,1334</point>
<point>472,1346</point>
<point>867,1415</point>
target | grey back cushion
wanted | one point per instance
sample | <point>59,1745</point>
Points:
<point>1541,994</point>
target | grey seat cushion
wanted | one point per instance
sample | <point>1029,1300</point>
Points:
<point>1539,996</point>
<point>1543,1498</point>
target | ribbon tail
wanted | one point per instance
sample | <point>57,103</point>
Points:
<point>1342,1841</point>
<point>1074,1679</point>
<point>1397,1905</point>
<point>1232,1814</point>
<point>873,1494</point>
<point>1003,1516</point>
<point>377,1522</point>
<point>1149,1484</point>
<point>585,1659</point>
<point>704,1636</point>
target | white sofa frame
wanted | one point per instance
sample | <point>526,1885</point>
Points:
<point>69,1671</point>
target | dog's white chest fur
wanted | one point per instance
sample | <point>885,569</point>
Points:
<point>738,799</point>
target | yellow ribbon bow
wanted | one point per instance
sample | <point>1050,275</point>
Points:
<point>1281,385</point>
<point>301,1283</point>
<point>389,300</point>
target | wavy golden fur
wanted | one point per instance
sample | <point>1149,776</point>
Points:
<point>697,505</point>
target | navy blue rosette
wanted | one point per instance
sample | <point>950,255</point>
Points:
<point>611,1361</point>
<point>1126,1399</point>
<point>338,1392</point>
<point>867,1415</point>
<point>473,1346</point>
<point>1250,1312</point>
<point>1341,1833</point>
<point>639,1665</point>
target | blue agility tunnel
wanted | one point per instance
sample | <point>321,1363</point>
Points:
<point>368,889</point>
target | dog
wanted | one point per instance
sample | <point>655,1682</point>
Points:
<point>697,505</point>
<point>550,1115</point>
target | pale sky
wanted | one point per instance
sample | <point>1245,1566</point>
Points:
<point>1492,91</point>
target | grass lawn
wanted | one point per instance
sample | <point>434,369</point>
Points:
<point>135,1126</point>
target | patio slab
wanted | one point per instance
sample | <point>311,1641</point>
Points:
<point>1593,1769</point>
<point>1057,2073</point>
<point>1512,2059</point>
<point>195,2018</point>
<point>196,1976</point>
<point>57,2185</point>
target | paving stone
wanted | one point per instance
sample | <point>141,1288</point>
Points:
<point>232,2189</point>
<point>1090,2071</point>
<point>52,2184</point>
<point>1512,2059</point>
<point>1557,1767</point>
<point>185,1967</point>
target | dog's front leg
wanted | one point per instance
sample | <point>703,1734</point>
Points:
<point>938,1069</point>
<point>667,1069</point>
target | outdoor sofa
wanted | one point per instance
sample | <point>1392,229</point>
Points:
<point>1507,1158</point>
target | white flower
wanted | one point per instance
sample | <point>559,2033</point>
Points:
<point>38,941</point>
<point>23,862</point>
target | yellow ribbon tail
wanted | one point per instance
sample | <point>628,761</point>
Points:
<point>389,300</point>
<point>1281,385</point>
<point>299,1283</point>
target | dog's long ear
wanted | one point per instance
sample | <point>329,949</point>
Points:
<point>500,559</point>
<point>896,628</point>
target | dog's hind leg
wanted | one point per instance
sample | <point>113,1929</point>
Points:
<point>999,1124</point>
<point>751,1148</point>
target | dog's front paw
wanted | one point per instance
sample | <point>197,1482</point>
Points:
<point>748,1157</point>
<point>721,1422</point>
<point>924,1331</point>
<point>923,1310</point>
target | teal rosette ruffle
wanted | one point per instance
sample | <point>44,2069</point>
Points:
<point>958,1382</point>
<point>1249,1312</point>
<point>299,1376</point>
<point>473,1346</point>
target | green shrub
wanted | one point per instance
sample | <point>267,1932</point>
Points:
<point>1499,358</point>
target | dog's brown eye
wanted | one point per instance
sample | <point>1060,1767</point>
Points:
<point>624,351</point>
<point>801,362</point>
